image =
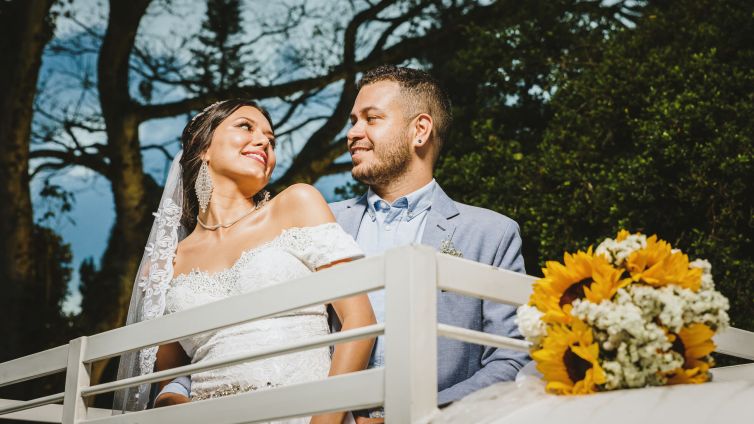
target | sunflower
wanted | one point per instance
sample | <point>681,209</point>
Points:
<point>695,344</point>
<point>582,275</point>
<point>569,359</point>
<point>658,265</point>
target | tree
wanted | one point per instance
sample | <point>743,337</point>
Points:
<point>650,131</point>
<point>25,29</point>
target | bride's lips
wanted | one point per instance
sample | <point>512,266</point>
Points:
<point>257,155</point>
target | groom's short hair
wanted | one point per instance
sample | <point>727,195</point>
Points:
<point>422,94</point>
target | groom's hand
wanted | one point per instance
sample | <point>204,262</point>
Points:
<point>168,399</point>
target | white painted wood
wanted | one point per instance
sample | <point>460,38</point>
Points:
<point>77,376</point>
<point>359,390</point>
<point>480,338</point>
<point>10,406</point>
<point>735,342</point>
<point>320,287</point>
<point>312,343</point>
<point>504,403</point>
<point>35,365</point>
<point>48,413</point>
<point>473,279</point>
<point>410,334</point>
<point>733,373</point>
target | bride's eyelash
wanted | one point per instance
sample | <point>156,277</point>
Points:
<point>246,124</point>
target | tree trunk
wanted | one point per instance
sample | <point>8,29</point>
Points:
<point>126,173</point>
<point>25,29</point>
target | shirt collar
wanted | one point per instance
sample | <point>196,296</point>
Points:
<point>415,202</point>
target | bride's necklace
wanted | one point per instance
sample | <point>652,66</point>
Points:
<point>229,224</point>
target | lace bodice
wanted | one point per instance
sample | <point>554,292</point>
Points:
<point>295,253</point>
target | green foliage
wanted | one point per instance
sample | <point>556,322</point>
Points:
<point>44,324</point>
<point>650,129</point>
<point>40,322</point>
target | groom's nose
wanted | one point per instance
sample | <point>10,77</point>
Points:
<point>355,133</point>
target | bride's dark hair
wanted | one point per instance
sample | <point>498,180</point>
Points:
<point>196,138</point>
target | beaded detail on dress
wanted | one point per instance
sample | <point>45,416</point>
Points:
<point>231,389</point>
<point>297,252</point>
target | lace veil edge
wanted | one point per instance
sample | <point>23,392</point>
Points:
<point>150,285</point>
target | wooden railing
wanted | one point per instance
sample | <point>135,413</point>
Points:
<point>406,386</point>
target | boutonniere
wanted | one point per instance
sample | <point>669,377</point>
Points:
<point>448,248</point>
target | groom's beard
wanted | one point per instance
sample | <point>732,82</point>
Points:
<point>390,161</point>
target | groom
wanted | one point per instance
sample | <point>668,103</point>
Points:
<point>399,122</point>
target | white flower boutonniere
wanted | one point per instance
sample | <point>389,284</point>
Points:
<point>448,248</point>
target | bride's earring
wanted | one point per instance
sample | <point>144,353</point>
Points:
<point>203,186</point>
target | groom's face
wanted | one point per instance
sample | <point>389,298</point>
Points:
<point>378,140</point>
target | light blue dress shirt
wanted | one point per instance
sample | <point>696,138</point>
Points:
<point>385,226</point>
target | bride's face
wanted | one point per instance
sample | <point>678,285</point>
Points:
<point>243,149</point>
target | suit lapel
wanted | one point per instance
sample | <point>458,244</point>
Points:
<point>439,221</point>
<point>350,218</point>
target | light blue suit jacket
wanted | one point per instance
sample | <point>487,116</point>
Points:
<point>483,236</point>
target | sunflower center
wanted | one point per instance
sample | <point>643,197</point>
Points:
<point>575,365</point>
<point>678,346</point>
<point>575,291</point>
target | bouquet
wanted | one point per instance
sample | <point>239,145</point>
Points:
<point>632,313</point>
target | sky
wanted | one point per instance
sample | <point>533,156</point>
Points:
<point>87,226</point>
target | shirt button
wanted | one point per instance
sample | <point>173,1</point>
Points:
<point>388,227</point>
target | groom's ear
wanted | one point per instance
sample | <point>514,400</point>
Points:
<point>422,129</point>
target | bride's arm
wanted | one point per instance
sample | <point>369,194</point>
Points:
<point>169,356</point>
<point>353,312</point>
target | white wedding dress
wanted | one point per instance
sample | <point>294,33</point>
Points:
<point>295,253</point>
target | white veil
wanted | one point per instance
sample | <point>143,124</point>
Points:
<point>152,280</point>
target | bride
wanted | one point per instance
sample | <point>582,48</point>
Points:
<point>239,241</point>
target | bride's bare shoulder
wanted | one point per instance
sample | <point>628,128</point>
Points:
<point>301,205</point>
<point>302,193</point>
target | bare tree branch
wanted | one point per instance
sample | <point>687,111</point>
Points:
<point>94,161</point>
<point>294,105</point>
<point>301,125</point>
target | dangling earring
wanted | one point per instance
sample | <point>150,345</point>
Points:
<point>203,186</point>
